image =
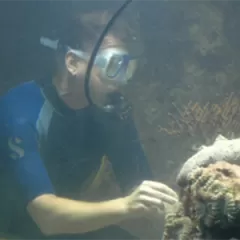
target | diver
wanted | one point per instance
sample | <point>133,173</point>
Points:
<point>53,143</point>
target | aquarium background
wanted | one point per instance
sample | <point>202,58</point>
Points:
<point>186,90</point>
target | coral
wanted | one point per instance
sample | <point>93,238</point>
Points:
<point>177,226</point>
<point>196,118</point>
<point>210,205</point>
<point>215,193</point>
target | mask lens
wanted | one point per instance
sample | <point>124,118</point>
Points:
<point>114,66</point>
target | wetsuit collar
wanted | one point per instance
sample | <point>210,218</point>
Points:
<point>50,94</point>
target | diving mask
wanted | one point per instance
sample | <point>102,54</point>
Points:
<point>115,64</point>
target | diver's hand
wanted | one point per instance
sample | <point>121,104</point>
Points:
<point>149,196</point>
<point>221,150</point>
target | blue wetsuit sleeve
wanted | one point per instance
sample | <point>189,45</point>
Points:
<point>24,162</point>
<point>126,154</point>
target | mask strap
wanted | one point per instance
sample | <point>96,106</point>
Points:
<point>47,42</point>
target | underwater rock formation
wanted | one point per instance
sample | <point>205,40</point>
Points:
<point>209,206</point>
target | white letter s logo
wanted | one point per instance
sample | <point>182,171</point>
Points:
<point>16,151</point>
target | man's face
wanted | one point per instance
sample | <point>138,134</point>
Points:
<point>71,89</point>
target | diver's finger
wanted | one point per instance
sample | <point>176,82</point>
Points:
<point>151,192</point>
<point>151,202</point>
<point>162,188</point>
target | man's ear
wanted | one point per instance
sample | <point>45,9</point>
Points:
<point>72,62</point>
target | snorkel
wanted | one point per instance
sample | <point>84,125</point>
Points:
<point>118,104</point>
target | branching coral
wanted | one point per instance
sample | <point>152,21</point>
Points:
<point>195,118</point>
<point>210,202</point>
